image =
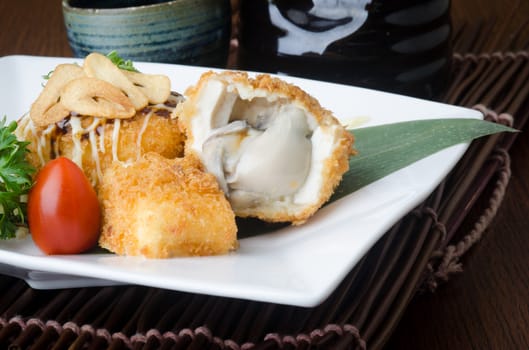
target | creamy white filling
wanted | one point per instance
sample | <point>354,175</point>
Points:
<point>276,161</point>
<point>259,148</point>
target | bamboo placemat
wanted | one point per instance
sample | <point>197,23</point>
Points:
<point>417,253</point>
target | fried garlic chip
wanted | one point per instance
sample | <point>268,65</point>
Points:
<point>46,109</point>
<point>156,87</point>
<point>98,89</point>
<point>91,96</point>
<point>101,67</point>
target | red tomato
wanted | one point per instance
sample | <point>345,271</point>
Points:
<point>63,211</point>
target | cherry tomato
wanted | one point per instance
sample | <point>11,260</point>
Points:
<point>64,216</point>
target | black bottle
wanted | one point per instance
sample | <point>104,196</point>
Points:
<point>398,46</point>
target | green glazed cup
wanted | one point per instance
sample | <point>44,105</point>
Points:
<point>194,32</point>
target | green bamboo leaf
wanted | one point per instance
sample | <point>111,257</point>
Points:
<point>387,148</point>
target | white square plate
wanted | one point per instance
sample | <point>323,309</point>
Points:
<point>293,265</point>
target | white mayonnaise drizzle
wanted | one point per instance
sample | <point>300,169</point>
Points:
<point>95,153</point>
<point>102,148</point>
<point>77,133</point>
<point>140,135</point>
<point>115,139</point>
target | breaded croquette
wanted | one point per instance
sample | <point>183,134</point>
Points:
<point>94,143</point>
<point>275,151</point>
<point>162,208</point>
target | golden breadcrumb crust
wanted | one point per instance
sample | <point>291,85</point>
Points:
<point>335,164</point>
<point>162,208</point>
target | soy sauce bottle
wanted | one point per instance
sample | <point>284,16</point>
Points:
<point>398,46</point>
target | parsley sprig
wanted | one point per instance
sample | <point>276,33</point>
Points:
<point>120,62</point>
<point>15,180</point>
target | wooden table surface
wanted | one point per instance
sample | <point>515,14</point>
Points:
<point>485,307</point>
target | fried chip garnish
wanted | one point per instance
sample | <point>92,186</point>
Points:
<point>45,110</point>
<point>91,96</point>
<point>97,89</point>
<point>101,67</point>
<point>156,87</point>
<point>54,114</point>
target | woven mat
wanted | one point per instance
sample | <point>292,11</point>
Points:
<point>419,252</point>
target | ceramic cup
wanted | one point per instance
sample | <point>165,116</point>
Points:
<point>194,32</point>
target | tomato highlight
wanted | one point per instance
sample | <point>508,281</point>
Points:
<point>64,215</point>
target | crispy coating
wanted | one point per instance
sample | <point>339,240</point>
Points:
<point>124,140</point>
<point>162,208</point>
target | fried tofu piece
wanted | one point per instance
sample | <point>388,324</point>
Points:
<point>163,208</point>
